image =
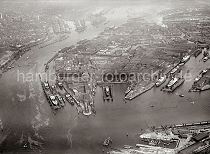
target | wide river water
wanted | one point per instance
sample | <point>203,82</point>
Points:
<point>26,115</point>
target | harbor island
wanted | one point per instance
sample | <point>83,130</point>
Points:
<point>108,77</point>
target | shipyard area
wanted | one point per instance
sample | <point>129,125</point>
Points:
<point>105,78</point>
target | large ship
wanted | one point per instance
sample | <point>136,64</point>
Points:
<point>134,93</point>
<point>173,84</point>
<point>52,100</point>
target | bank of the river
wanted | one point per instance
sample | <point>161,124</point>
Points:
<point>27,116</point>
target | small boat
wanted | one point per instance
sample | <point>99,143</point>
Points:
<point>46,85</point>
<point>205,59</point>
<point>185,58</point>
<point>181,95</point>
<point>107,141</point>
<point>181,64</point>
<point>197,78</point>
<point>175,70</point>
<point>127,147</point>
<point>60,84</point>
<point>204,71</point>
<point>107,93</point>
<point>107,90</point>
<point>128,90</point>
<point>192,102</point>
<point>160,81</point>
<point>46,67</point>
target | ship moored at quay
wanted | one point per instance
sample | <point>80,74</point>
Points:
<point>134,93</point>
<point>201,82</point>
<point>173,83</point>
<point>57,100</point>
<point>52,99</point>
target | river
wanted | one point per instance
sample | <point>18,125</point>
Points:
<point>26,115</point>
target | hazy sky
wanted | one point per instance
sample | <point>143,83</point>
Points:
<point>112,2</point>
